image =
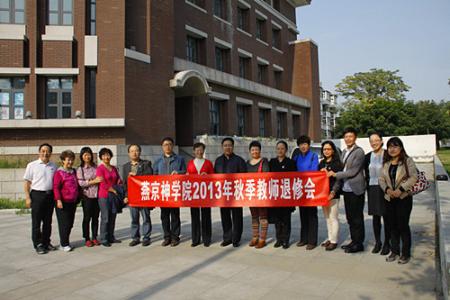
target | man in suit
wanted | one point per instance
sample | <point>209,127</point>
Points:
<point>353,186</point>
<point>137,167</point>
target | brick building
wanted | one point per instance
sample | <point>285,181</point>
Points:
<point>97,72</point>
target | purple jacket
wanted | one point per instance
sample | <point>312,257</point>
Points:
<point>65,185</point>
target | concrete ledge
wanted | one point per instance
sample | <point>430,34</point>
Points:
<point>139,56</point>
<point>12,32</point>
<point>15,71</point>
<point>226,79</point>
<point>56,71</point>
<point>63,123</point>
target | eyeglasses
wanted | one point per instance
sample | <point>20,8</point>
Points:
<point>327,149</point>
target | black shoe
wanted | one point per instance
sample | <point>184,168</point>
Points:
<point>195,244</point>
<point>146,243</point>
<point>392,257</point>
<point>403,259</point>
<point>344,247</point>
<point>50,247</point>
<point>106,244</point>
<point>225,243</point>
<point>377,248</point>
<point>40,249</point>
<point>207,244</point>
<point>134,243</point>
<point>301,244</point>
<point>355,248</point>
<point>286,245</point>
<point>115,241</point>
<point>165,243</point>
<point>386,249</point>
<point>236,244</point>
<point>278,244</point>
<point>175,243</point>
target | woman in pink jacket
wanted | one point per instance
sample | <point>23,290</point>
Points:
<point>65,188</point>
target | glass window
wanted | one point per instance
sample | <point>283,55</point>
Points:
<point>262,73</point>
<point>60,12</point>
<point>59,98</point>
<point>262,122</point>
<point>12,11</point>
<point>11,98</point>
<point>91,11</point>
<point>276,38</point>
<point>243,15</point>
<point>281,124</point>
<point>192,49</point>
<point>220,9</point>
<point>278,79</point>
<point>241,119</point>
<point>260,29</point>
<point>214,117</point>
<point>221,59</point>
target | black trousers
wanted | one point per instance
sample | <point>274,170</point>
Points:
<point>201,228</point>
<point>66,217</point>
<point>91,211</point>
<point>170,219</point>
<point>42,205</point>
<point>309,224</point>
<point>232,223</point>
<point>398,212</point>
<point>354,211</point>
<point>283,224</point>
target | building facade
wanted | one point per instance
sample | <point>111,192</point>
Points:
<point>97,72</point>
<point>328,114</point>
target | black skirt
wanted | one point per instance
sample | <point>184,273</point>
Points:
<point>376,200</point>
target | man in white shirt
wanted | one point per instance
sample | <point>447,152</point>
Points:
<point>39,196</point>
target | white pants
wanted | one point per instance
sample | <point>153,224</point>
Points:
<point>331,214</point>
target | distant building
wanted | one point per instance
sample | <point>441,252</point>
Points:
<point>328,113</point>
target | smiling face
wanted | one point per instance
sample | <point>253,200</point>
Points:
<point>255,152</point>
<point>134,153</point>
<point>44,154</point>
<point>198,152</point>
<point>394,151</point>
<point>304,148</point>
<point>67,163</point>
<point>327,151</point>
<point>106,158</point>
<point>87,158</point>
<point>375,142</point>
<point>350,139</point>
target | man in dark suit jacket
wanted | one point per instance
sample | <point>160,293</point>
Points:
<point>137,167</point>
<point>353,186</point>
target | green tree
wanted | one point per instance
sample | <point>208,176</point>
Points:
<point>432,118</point>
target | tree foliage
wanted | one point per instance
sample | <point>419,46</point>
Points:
<point>375,100</point>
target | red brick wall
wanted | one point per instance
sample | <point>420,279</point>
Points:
<point>11,53</point>
<point>57,54</point>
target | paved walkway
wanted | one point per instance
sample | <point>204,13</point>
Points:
<point>122,272</point>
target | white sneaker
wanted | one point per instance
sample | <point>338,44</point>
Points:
<point>66,248</point>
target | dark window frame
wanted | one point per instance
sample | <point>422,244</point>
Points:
<point>281,124</point>
<point>243,17</point>
<point>60,12</point>
<point>91,17</point>
<point>220,9</point>
<point>59,98</point>
<point>12,90</point>
<point>192,49</point>
<point>215,116</point>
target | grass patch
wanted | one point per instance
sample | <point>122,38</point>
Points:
<point>444,156</point>
<point>9,204</point>
<point>19,163</point>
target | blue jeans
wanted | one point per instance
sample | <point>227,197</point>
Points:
<point>146,223</point>
<point>107,220</point>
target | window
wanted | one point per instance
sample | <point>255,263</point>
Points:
<point>262,74</point>
<point>11,98</point>
<point>214,117</point>
<point>59,98</point>
<point>261,29</point>
<point>220,9</point>
<point>281,124</point>
<point>60,12</point>
<point>192,49</point>
<point>243,16</point>
<point>276,38</point>
<point>221,59</point>
<point>91,82</point>
<point>241,119</point>
<point>91,17</point>
<point>296,125</point>
<point>12,11</point>
<point>277,76</point>
<point>244,67</point>
<point>262,122</point>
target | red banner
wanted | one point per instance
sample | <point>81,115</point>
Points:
<point>230,190</point>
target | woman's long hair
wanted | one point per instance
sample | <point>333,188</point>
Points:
<point>82,152</point>
<point>395,141</point>
<point>335,156</point>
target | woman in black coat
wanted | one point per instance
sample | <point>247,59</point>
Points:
<point>281,216</point>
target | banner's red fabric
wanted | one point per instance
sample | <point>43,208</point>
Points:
<point>230,190</point>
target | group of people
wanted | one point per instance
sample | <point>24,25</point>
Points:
<point>387,175</point>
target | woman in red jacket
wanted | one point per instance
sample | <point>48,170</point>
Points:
<point>202,166</point>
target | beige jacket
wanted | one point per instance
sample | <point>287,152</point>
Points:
<point>401,179</point>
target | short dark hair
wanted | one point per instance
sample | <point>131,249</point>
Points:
<point>303,139</point>
<point>377,133</point>
<point>198,145</point>
<point>228,139</point>
<point>350,130</point>
<point>254,144</point>
<point>169,139</point>
<point>138,146</point>
<point>45,145</point>
<point>104,151</point>
<point>67,154</point>
<point>284,143</point>
<point>82,152</point>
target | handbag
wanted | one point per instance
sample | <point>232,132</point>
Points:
<point>421,184</point>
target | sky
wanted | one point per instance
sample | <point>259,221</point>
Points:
<point>412,36</point>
